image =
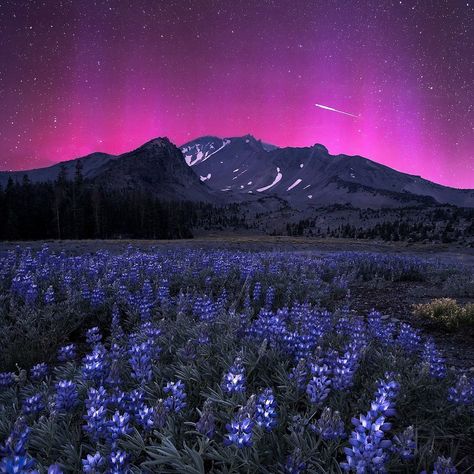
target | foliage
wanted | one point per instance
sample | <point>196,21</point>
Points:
<point>193,361</point>
<point>81,209</point>
<point>446,312</point>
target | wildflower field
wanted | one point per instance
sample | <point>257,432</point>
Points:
<point>221,361</point>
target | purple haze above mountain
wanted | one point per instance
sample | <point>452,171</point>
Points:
<point>82,76</point>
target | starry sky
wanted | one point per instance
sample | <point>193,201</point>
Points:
<point>78,76</point>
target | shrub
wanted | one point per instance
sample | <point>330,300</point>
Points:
<point>446,312</point>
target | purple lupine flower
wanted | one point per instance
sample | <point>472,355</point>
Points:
<point>433,359</point>
<point>257,291</point>
<point>115,327</point>
<point>329,426</point>
<point>204,309</point>
<point>463,392</point>
<point>118,462</point>
<point>135,401</point>
<point>85,291</point>
<point>98,297</point>
<point>13,451</point>
<point>404,444</point>
<point>118,426</point>
<point>221,302</point>
<point>146,417</point>
<point>234,379</point>
<point>294,463</point>
<point>15,444</point>
<point>146,300</point>
<point>96,414</point>
<point>266,414</point>
<point>206,424</point>
<point>17,464</point>
<point>444,466</point>
<point>7,379</point>
<point>94,365</point>
<point>297,425</point>
<point>151,331</point>
<point>93,464</point>
<point>344,371</point>
<point>38,372</point>
<point>140,361</point>
<point>239,431</point>
<point>31,293</point>
<point>118,399</point>
<point>175,401</point>
<point>96,396</point>
<point>33,405</point>
<point>66,395</point>
<point>408,338</point>
<point>383,404</point>
<point>163,292</point>
<point>299,374</point>
<point>369,451</point>
<point>319,385</point>
<point>152,334</point>
<point>93,336</point>
<point>67,353</point>
<point>49,295</point>
<point>381,330</point>
<point>55,469</point>
<point>269,297</point>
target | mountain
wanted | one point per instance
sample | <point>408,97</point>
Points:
<point>90,164</point>
<point>158,169</point>
<point>310,176</point>
<point>248,171</point>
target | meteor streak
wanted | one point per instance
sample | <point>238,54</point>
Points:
<point>335,110</point>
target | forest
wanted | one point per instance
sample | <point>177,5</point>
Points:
<point>81,209</point>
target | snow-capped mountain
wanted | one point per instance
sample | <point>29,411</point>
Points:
<point>310,175</point>
<point>244,169</point>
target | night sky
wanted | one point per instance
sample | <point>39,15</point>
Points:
<point>81,76</point>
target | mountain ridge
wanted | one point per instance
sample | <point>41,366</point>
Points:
<point>238,169</point>
<point>244,167</point>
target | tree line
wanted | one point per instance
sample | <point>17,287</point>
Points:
<point>80,209</point>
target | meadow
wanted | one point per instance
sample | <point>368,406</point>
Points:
<point>189,360</point>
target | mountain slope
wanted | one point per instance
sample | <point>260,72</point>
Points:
<point>243,169</point>
<point>90,164</point>
<point>310,175</point>
<point>156,168</point>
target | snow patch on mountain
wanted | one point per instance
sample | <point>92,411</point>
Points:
<point>202,152</point>
<point>240,174</point>
<point>298,181</point>
<point>275,181</point>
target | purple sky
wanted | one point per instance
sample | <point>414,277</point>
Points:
<point>81,76</point>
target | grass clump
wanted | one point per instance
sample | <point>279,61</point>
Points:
<point>446,312</point>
